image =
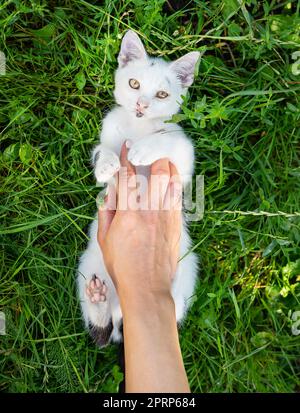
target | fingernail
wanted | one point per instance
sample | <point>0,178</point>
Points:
<point>128,143</point>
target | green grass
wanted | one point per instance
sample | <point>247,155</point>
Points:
<point>243,115</point>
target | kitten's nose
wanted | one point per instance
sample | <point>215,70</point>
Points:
<point>142,103</point>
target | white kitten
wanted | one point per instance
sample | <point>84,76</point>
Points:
<point>148,92</point>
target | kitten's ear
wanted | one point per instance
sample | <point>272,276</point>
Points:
<point>131,48</point>
<point>185,67</point>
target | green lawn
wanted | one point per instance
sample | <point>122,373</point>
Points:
<point>243,115</point>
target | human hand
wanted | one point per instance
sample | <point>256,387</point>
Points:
<point>140,246</point>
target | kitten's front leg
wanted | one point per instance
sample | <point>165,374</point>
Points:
<point>174,146</point>
<point>106,163</point>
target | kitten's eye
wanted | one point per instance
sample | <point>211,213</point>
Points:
<point>161,94</point>
<point>135,84</point>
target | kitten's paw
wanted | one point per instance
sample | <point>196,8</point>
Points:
<point>143,154</point>
<point>107,165</point>
<point>96,290</point>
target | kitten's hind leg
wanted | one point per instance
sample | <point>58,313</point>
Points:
<point>96,290</point>
<point>95,299</point>
<point>99,301</point>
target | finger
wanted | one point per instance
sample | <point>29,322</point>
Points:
<point>173,197</point>
<point>106,214</point>
<point>123,156</point>
<point>173,203</point>
<point>175,257</point>
<point>158,185</point>
<point>127,180</point>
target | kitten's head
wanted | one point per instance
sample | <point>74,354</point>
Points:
<point>151,87</point>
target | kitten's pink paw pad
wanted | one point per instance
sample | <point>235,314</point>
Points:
<point>96,290</point>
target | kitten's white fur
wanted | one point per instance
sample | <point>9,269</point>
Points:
<point>152,139</point>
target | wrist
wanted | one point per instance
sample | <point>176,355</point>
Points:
<point>147,304</point>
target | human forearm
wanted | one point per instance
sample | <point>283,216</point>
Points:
<point>140,249</point>
<point>152,353</point>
